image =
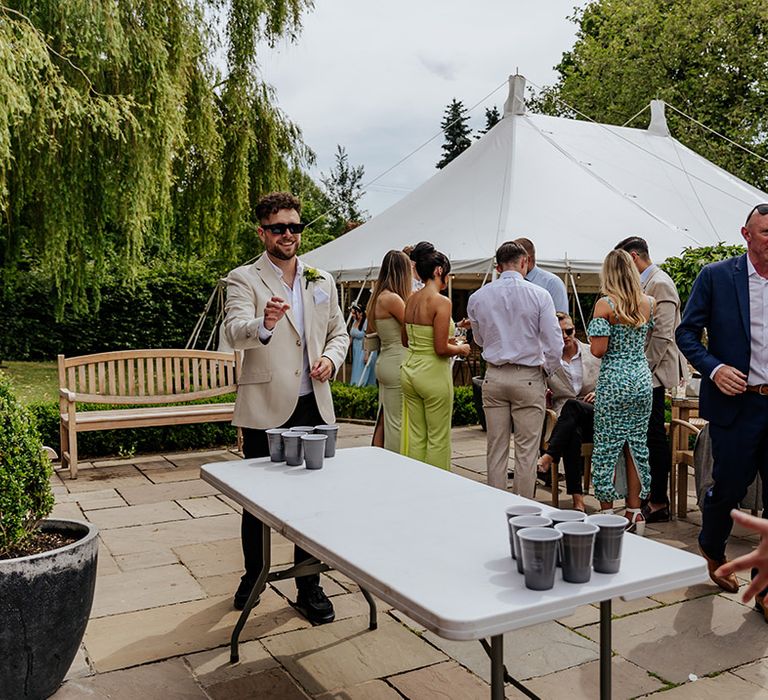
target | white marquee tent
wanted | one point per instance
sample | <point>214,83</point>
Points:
<point>573,187</point>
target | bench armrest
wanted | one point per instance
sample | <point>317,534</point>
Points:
<point>67,394</point>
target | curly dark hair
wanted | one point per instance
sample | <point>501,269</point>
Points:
<point>275,201</point>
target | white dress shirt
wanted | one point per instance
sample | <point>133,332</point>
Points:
<point>574,370</point>
<point>514,322</point>
<point>645,274</point>
<point>296,301</point>
<point>553,284</point>
<point>758,327</point>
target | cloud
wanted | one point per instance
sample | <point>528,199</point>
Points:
<point>442,69</point>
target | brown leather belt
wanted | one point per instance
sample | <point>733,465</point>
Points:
<point>761,389</point>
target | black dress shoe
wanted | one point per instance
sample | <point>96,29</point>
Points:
<point>243,592</point>
<point>313,604</point>
<point>761,606</point>
<point>656,516</point>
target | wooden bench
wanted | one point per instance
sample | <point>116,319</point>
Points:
<point>143,380</point>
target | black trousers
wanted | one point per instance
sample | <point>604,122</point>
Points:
<point>255,445</point>
<point>659,452</point>
<point>575,425</point>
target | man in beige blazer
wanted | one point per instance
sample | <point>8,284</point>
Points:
<point>667,367</point>
<point>285,317</point>
<point>573,395</point>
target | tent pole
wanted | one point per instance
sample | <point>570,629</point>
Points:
<point>576,299</point>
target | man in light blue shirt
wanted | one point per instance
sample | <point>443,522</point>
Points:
<point>541,278</point>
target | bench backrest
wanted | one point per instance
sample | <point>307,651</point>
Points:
<point>149,376</point>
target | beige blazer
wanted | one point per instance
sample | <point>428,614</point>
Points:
<point>561,386</point>
<point>268,386</point>
<point>665,360</point>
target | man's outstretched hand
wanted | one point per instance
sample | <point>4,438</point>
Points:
<point>757,559</point>
<point>274,311</point>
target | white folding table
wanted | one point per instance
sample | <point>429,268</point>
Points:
<point>433,545</point>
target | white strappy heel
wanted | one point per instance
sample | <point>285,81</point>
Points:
<point>636,524</point>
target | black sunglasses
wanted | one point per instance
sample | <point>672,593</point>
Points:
<point>569,331</point>
<point>761,209</point>
<point>280,229</point>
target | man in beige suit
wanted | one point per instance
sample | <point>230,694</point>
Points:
<point>667,367</point>
<point>573,393</point>
<point>285,317</point>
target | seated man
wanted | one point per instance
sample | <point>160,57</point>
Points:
<point>573,393</point>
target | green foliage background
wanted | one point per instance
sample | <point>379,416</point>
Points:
<point>705,57</point>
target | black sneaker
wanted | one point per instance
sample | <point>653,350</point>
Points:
<point>315,606</point>
<point>662,515</point>
<point>243,593</point>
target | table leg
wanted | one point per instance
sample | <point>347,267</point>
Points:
<point>266,544</point>
<point>605,650</point>
<point>372,622</point>
<point>497,667</point>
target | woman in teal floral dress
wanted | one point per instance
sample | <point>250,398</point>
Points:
<point>622,319</point>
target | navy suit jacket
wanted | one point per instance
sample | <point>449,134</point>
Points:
<point>719,302</point>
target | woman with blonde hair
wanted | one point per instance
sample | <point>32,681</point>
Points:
<point>622,319</point>
<point>386,309</point>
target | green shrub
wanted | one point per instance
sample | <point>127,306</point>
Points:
<point>464,412</point>
<point>25,490</point>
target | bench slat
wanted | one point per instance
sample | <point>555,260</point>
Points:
<point>168,376</point>
<point>130,379</point>
<point>102,376</point>
<point>111,378</point>
<point>92,379</point>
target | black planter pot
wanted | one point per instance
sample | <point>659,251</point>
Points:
<point>45,601</point>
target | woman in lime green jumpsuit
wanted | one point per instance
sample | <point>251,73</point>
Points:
<point>425,376</point>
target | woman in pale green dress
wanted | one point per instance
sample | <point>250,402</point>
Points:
<point>385,319</point>
<point>425,375</point>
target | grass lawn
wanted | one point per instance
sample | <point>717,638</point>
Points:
<point>33,381</point>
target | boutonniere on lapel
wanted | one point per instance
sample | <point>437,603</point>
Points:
<point>311,275</point>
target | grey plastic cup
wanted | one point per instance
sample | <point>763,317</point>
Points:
<point>538,551</point>
<point>513,512</point>
<point>565,516</point>
<point>577,549</point>
<point>314,450</point>
<point>294,451</point>
<point>303,429</point>
<point>608,541</point>
<point>275,440</point>
<point>517,524</point>
<point>330,444</point>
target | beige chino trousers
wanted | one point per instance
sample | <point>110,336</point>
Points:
<point>514,395</point>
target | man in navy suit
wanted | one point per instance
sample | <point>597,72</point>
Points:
<point>730,299</point>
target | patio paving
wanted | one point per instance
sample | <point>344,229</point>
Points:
<point>170,559</point>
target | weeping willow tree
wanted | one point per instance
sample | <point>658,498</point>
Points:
<point>123,140</point>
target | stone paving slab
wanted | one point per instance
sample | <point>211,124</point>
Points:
<point>141,589</point>
<point>274,684</point>
<point>173,474</point>
<point>529,652</point>
<point>212,558</point>
<point>126,516</point>
<point>583,682</point>
<point>347,653</point>
<point>447,681</point>
<point>701,636</point>
<point>723,687</point>
<point>86,497</point>
<point>331,587</point>
<point>106,478</point>
<point>67,511</point>
<point>584,615</point>
<point>128,639</point>
<point>154,493</point>
<point>170,680</point>
<point>372,690</point>
<point>756,673</point>
<point>146,560</point>
<point>143,538</point>
<point>204,506</point>
<point>210,667</point>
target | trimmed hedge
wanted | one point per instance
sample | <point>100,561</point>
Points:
<point>158,310</point>
<point>359,403</point>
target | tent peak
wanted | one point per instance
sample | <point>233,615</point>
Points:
<point>515,103</point>
<point>658,123</point>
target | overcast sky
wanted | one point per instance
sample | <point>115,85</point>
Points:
<point>375,76</point>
